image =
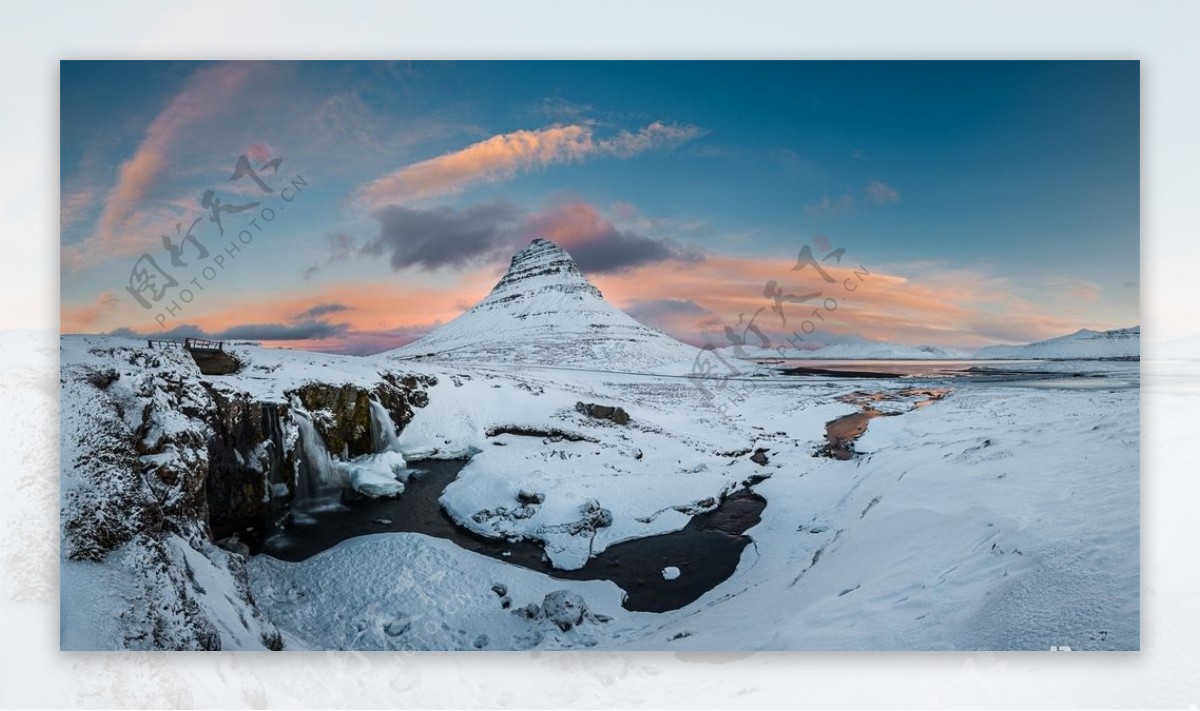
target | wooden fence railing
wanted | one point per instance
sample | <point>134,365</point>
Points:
<point>191,344</point>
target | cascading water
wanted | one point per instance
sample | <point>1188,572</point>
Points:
<point>279,479</point>
<point>319,483</point>
<point>383,430</point>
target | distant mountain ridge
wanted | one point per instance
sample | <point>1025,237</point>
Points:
<point>1084,344</point>
<point>544,311</point>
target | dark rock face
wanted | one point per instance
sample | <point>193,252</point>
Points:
<point>214,362</point>
<point>760,457</point>
<point>341,414</point>
<point>550,434</point>
<point>615,415</point>
<point>250,482</point>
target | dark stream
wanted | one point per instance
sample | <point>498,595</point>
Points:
<point>706,551</point>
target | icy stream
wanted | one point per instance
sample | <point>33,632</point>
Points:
<point>706,551</point>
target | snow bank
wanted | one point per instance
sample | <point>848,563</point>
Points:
<point>404,591</point>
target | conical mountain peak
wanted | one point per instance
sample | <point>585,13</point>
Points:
<point>544,310</point>
<point>541,265</point>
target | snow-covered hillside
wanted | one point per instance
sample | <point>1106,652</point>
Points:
<point>545,311</point>
<point>1081,345</point>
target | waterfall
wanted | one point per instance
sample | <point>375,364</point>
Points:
<point>319,484</point>
<point>279,484</point>
<point>383,430</point>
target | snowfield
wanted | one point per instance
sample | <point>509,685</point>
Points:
<point>997,518</point>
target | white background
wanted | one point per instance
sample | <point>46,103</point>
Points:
<point>35,35</point>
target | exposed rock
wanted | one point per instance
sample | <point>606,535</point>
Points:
<point>615,415</point>
<point>530,497</point>
<point>523,512</point>
<point>760,457</point>
<point>140,467</point>
<point>215,362</point>
<point>233,544</point>
<point>102,378</point>
<point>594,516</point>
<point>754,479</point>
<point>250,472</point>
<point>500,589</point>
<point>397,627</point>
<point>341,414</point>
<point>564,608</point>
<point>552,434</point>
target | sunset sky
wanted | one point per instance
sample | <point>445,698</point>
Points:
<point>989,201</point>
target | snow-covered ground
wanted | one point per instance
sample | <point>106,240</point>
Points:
<point>1002,516</point>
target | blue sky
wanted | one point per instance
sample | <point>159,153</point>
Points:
<point>997,201</point>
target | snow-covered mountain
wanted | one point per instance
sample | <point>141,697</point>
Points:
<point>1081,345</point>
<point>545,311</point>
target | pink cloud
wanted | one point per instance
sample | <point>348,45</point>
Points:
<point>956,307</point>
<point>88,317</point>
<point>503,156</point>
<point>207,95</point>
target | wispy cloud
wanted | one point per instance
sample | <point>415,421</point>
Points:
<point>208,93</point>
<point>504,156</point>
<point>322,310</point>
<point>875,193</point>
<point>880,193</point>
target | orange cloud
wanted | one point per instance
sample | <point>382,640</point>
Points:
<point>909,304</point>
<point>84,318</point>
<point>954,307</point>
<point>503,156</point>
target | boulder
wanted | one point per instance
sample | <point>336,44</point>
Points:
<point>564,608</point>
<point>615,415</point>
